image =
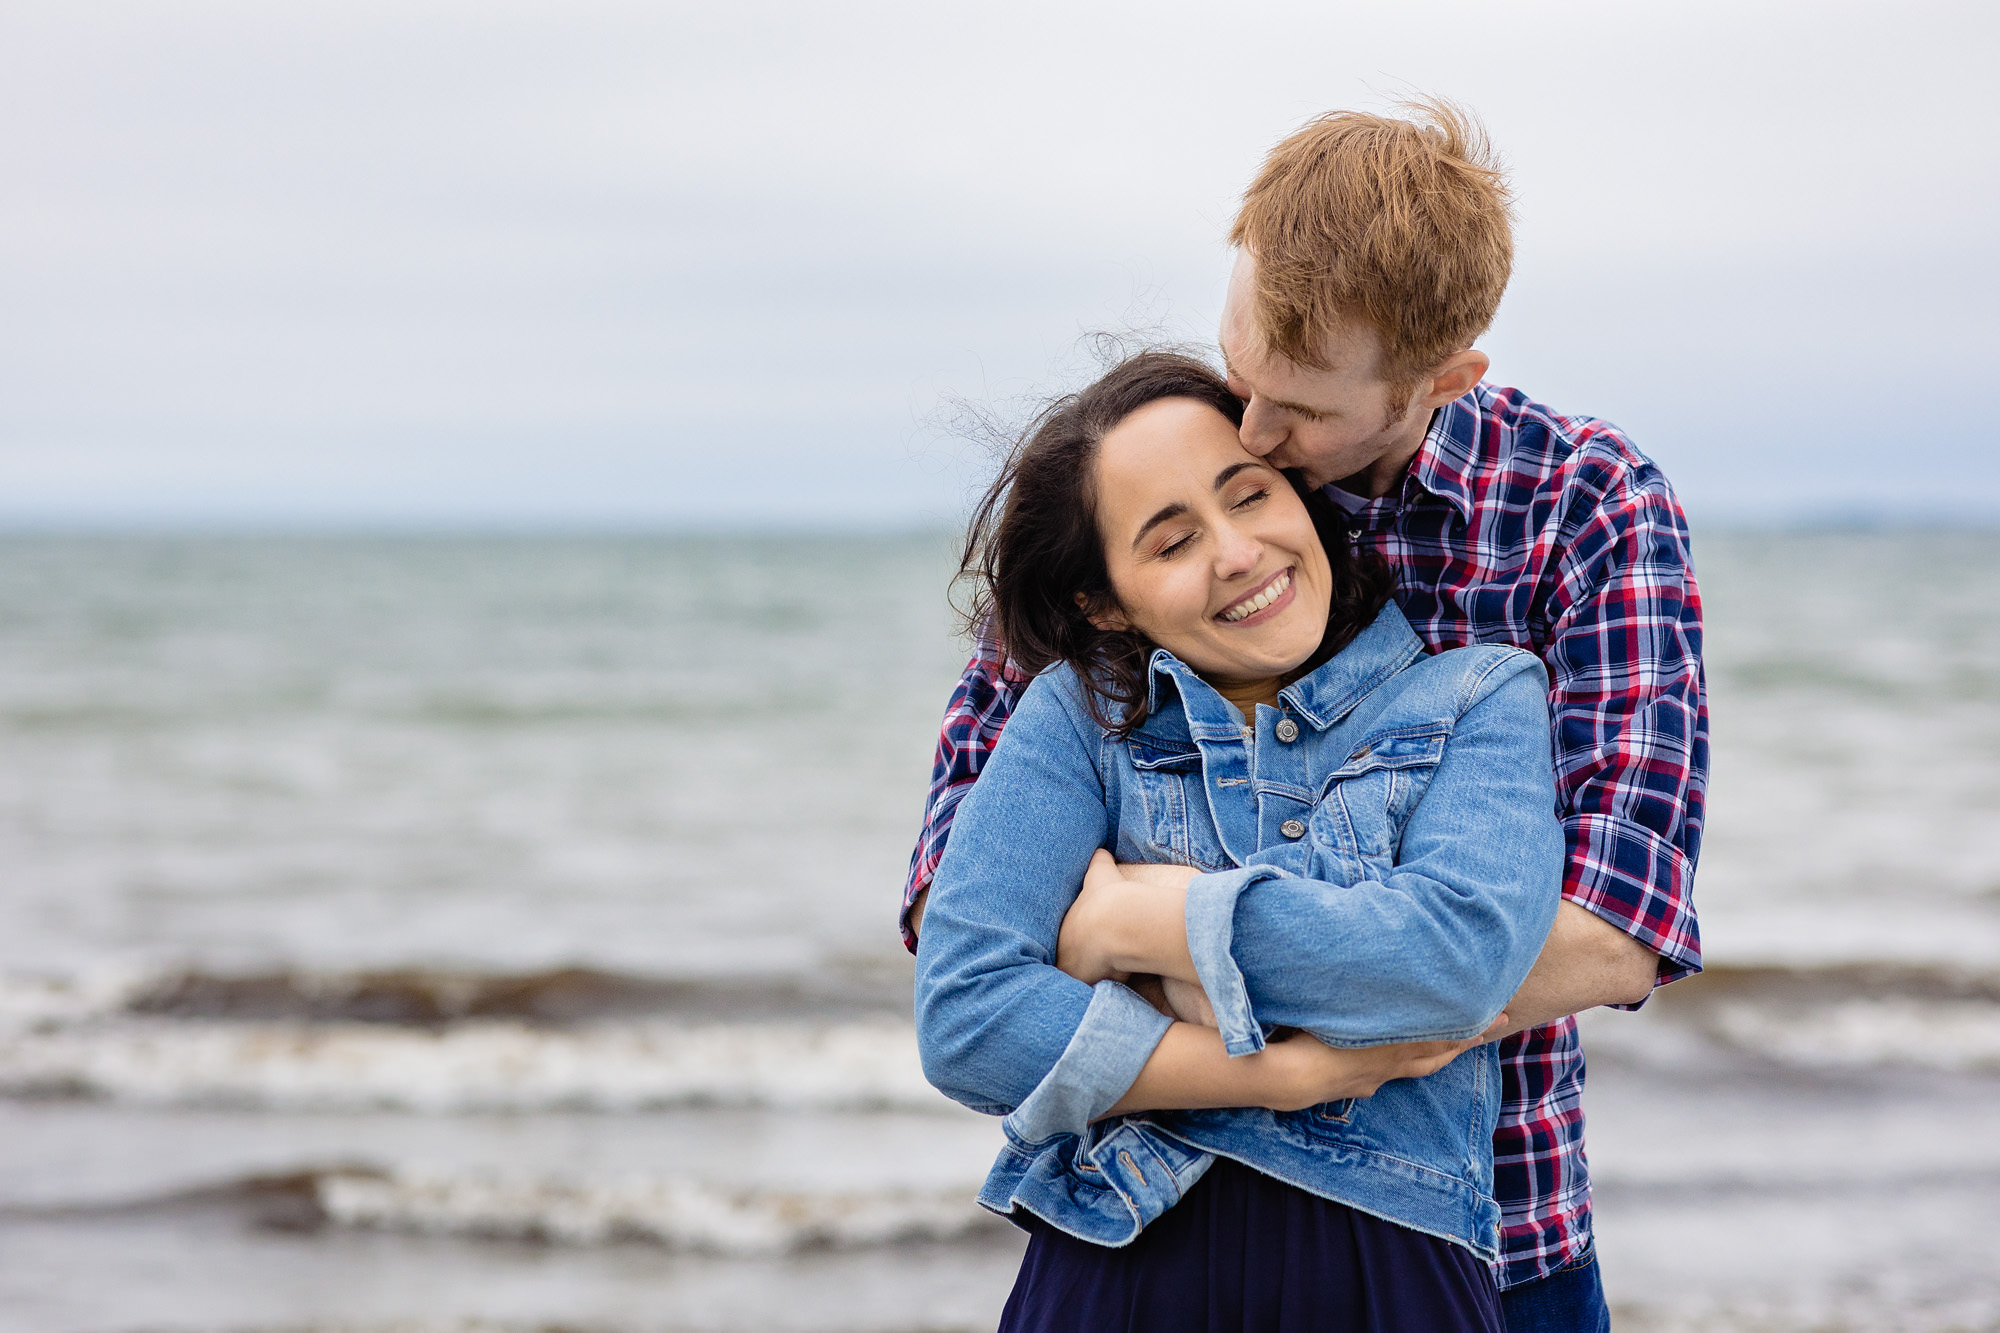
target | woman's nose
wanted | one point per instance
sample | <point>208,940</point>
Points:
<point>1236,551</point>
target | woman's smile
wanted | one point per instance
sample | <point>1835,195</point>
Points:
<point>1267,603</point>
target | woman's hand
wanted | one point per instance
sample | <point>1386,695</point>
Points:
<point>1181,1000</point>
<point>1090,927</point>
<point>1127,919</point>
<point>1156,873</point>
<point>1188,1002</point>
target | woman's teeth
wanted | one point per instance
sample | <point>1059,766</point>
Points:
<point>1250,606</point>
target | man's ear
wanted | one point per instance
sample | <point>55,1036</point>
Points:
<point>1109,618</point>
<point>1454,377</point>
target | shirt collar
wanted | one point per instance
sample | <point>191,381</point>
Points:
<point>1445,461</point>
<point>1322,697</point>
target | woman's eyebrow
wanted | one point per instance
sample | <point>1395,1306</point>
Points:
<point>1174,510</point>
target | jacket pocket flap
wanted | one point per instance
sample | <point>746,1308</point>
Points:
<point>1410,747</point>
<point>1147,752</point>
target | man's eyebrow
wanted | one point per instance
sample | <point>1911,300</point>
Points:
<point>1289,406</point>
<point>1176,509</point>
<point>1299,408</point>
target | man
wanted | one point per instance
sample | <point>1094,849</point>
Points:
<point>1372,252</point>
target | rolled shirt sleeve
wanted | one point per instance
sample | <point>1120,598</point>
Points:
<point>1628,703</point>
<point>980,704</point>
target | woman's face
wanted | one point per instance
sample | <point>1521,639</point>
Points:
<point>1211,553</point>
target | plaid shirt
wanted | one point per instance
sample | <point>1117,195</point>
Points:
<point>1516,525</point>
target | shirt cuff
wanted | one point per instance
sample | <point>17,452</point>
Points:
<point>1111,1045</point>
<point>1211,931</point>
<point>1639,882</point>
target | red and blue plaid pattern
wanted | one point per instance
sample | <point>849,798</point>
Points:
<point>1517,525</point>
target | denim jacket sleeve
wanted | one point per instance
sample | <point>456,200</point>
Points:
<point>999,1028</point>
<point>1435,948</point>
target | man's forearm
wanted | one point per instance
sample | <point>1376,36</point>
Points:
<point>1586,962</point>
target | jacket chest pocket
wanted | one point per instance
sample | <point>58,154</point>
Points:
<point>1357,824</point>
<point>1179,826</point>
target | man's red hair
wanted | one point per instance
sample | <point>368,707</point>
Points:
<point>1401,223</point>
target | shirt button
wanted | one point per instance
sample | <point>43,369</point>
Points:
<point>1287,730</point>
<point>1292,828</point>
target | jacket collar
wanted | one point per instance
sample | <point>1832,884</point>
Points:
<point>1322,697</point>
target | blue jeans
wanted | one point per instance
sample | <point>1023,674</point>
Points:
<point>1569,1300</point>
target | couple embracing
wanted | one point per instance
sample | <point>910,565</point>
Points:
<point>1354,741</point>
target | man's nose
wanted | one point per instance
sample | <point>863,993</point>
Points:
<point>1262,430</point>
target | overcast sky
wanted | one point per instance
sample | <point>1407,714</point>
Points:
<point>337,261</point>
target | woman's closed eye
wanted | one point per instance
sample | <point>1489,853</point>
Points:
<point>1178,544</point>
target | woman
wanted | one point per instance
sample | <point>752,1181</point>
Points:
<point>1353,844</point>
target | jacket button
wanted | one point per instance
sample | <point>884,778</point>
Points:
<point>1287,730</point>
<point>1292,828</point>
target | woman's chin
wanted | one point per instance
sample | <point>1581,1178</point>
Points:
<point>1277,651</point>
<point>1289,643</point>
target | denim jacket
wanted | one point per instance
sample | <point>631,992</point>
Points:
<point>1380,861</point>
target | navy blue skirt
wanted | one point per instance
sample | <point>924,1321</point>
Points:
<point>1243,1253</point>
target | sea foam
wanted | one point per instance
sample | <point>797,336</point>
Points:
<point>474,1066</point>
<point>680,1213</point>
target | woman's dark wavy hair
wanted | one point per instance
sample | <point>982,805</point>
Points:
<point>1033,542</point>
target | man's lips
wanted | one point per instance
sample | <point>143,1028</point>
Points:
<point>1261,605</point>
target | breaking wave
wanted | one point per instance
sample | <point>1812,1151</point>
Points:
<point>682,1214</point>
<point>1846,1017</point>
<point>475,1066</point>
<point>678,1213</point>
<point>583,1040</point>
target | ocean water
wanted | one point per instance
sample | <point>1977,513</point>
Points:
<point>498,934</point>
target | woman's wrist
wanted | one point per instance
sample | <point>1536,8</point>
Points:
<point>1281,1077</point>
<point>1144,929</point>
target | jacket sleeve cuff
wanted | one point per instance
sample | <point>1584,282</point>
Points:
<point>1111,1045</point>
<point>1211,932</point>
